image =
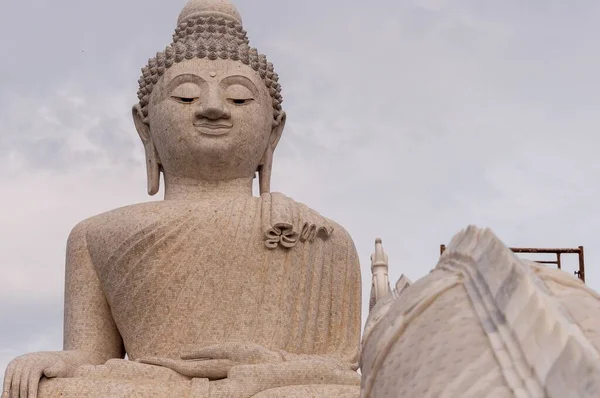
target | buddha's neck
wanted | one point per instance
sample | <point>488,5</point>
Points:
<point>178,188</point>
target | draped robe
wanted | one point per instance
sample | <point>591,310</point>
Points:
<point>181,273</point>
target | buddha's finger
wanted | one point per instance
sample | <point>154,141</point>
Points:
<point>8,379</point>
<point>164,362</point>
<point>214,369</point>
<point>33,383</point>
<point>23,385</point>
<point>57,369</point>
<point>205,368</point>
<point>220,351</point>
<point>16,381</point>
<point>169,363</point>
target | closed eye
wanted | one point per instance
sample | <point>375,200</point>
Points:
<point>240,101</point>
<point>185,100</point>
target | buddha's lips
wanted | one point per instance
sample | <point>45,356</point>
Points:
<point>213,129</point>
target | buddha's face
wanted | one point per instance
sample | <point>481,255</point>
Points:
<point>210,120</point>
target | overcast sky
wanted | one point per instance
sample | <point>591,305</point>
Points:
<point>407,119</point>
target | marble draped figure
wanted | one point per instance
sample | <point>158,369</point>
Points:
<point>483,324</point>
<point>212,292</point>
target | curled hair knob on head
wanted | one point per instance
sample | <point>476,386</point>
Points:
<point>209,29</point>
<point>218,7</point>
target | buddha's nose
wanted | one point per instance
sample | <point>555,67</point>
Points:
<point>214,108</point>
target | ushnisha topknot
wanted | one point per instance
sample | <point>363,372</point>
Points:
<point>209,29</point>
<point>222,8</point>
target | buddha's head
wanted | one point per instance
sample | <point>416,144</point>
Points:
<point>210,106</point>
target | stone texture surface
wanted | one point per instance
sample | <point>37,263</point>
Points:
<point>212,292</point>
<point>484,323</point>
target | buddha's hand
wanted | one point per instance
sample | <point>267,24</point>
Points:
<point>245,381</point>
<point>23,374</point>
<point>215,362</point>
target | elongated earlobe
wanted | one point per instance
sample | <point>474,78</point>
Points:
<point>152,171</point>
<point>153,166</point>
<point>264,175</point>
<point>266,164</point>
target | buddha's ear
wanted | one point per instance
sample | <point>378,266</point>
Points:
<point>266,164</point>
<point>278,126</point>
<point>152,159</point>
<point>141,124</point>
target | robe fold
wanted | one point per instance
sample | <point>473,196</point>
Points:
<point>179,273</point>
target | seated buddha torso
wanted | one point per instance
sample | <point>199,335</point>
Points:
<point>211,265</point>
<point>179,273</point>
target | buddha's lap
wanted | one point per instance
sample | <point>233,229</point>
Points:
<point>325,391</point>
<point>77,387</point>
<point>129,370</point>
<point>123,378</point>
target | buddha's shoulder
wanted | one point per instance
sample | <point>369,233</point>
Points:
<point>123,219</point>
<point>338,234</point>
<point>121,222</point>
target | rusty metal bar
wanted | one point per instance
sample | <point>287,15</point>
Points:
<point>581,272</point>
<point>547,251</point>
<point>558,251</point>
<point>535,250</point>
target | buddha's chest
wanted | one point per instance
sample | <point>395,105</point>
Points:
<point>214,250</point>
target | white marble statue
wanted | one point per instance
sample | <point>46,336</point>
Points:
<point>484,324</point>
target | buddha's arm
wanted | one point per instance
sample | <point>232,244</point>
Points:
<point>251,368</point>
<point>249,380</point>
<point>88,325</point>
<point>91,336</point>
<point>234,353</point>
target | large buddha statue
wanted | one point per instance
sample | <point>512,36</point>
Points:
<point>212,292</point>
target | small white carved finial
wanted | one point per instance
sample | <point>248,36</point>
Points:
<point>379,269</point>
<point>217,7</point>
<point>379,258</point>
